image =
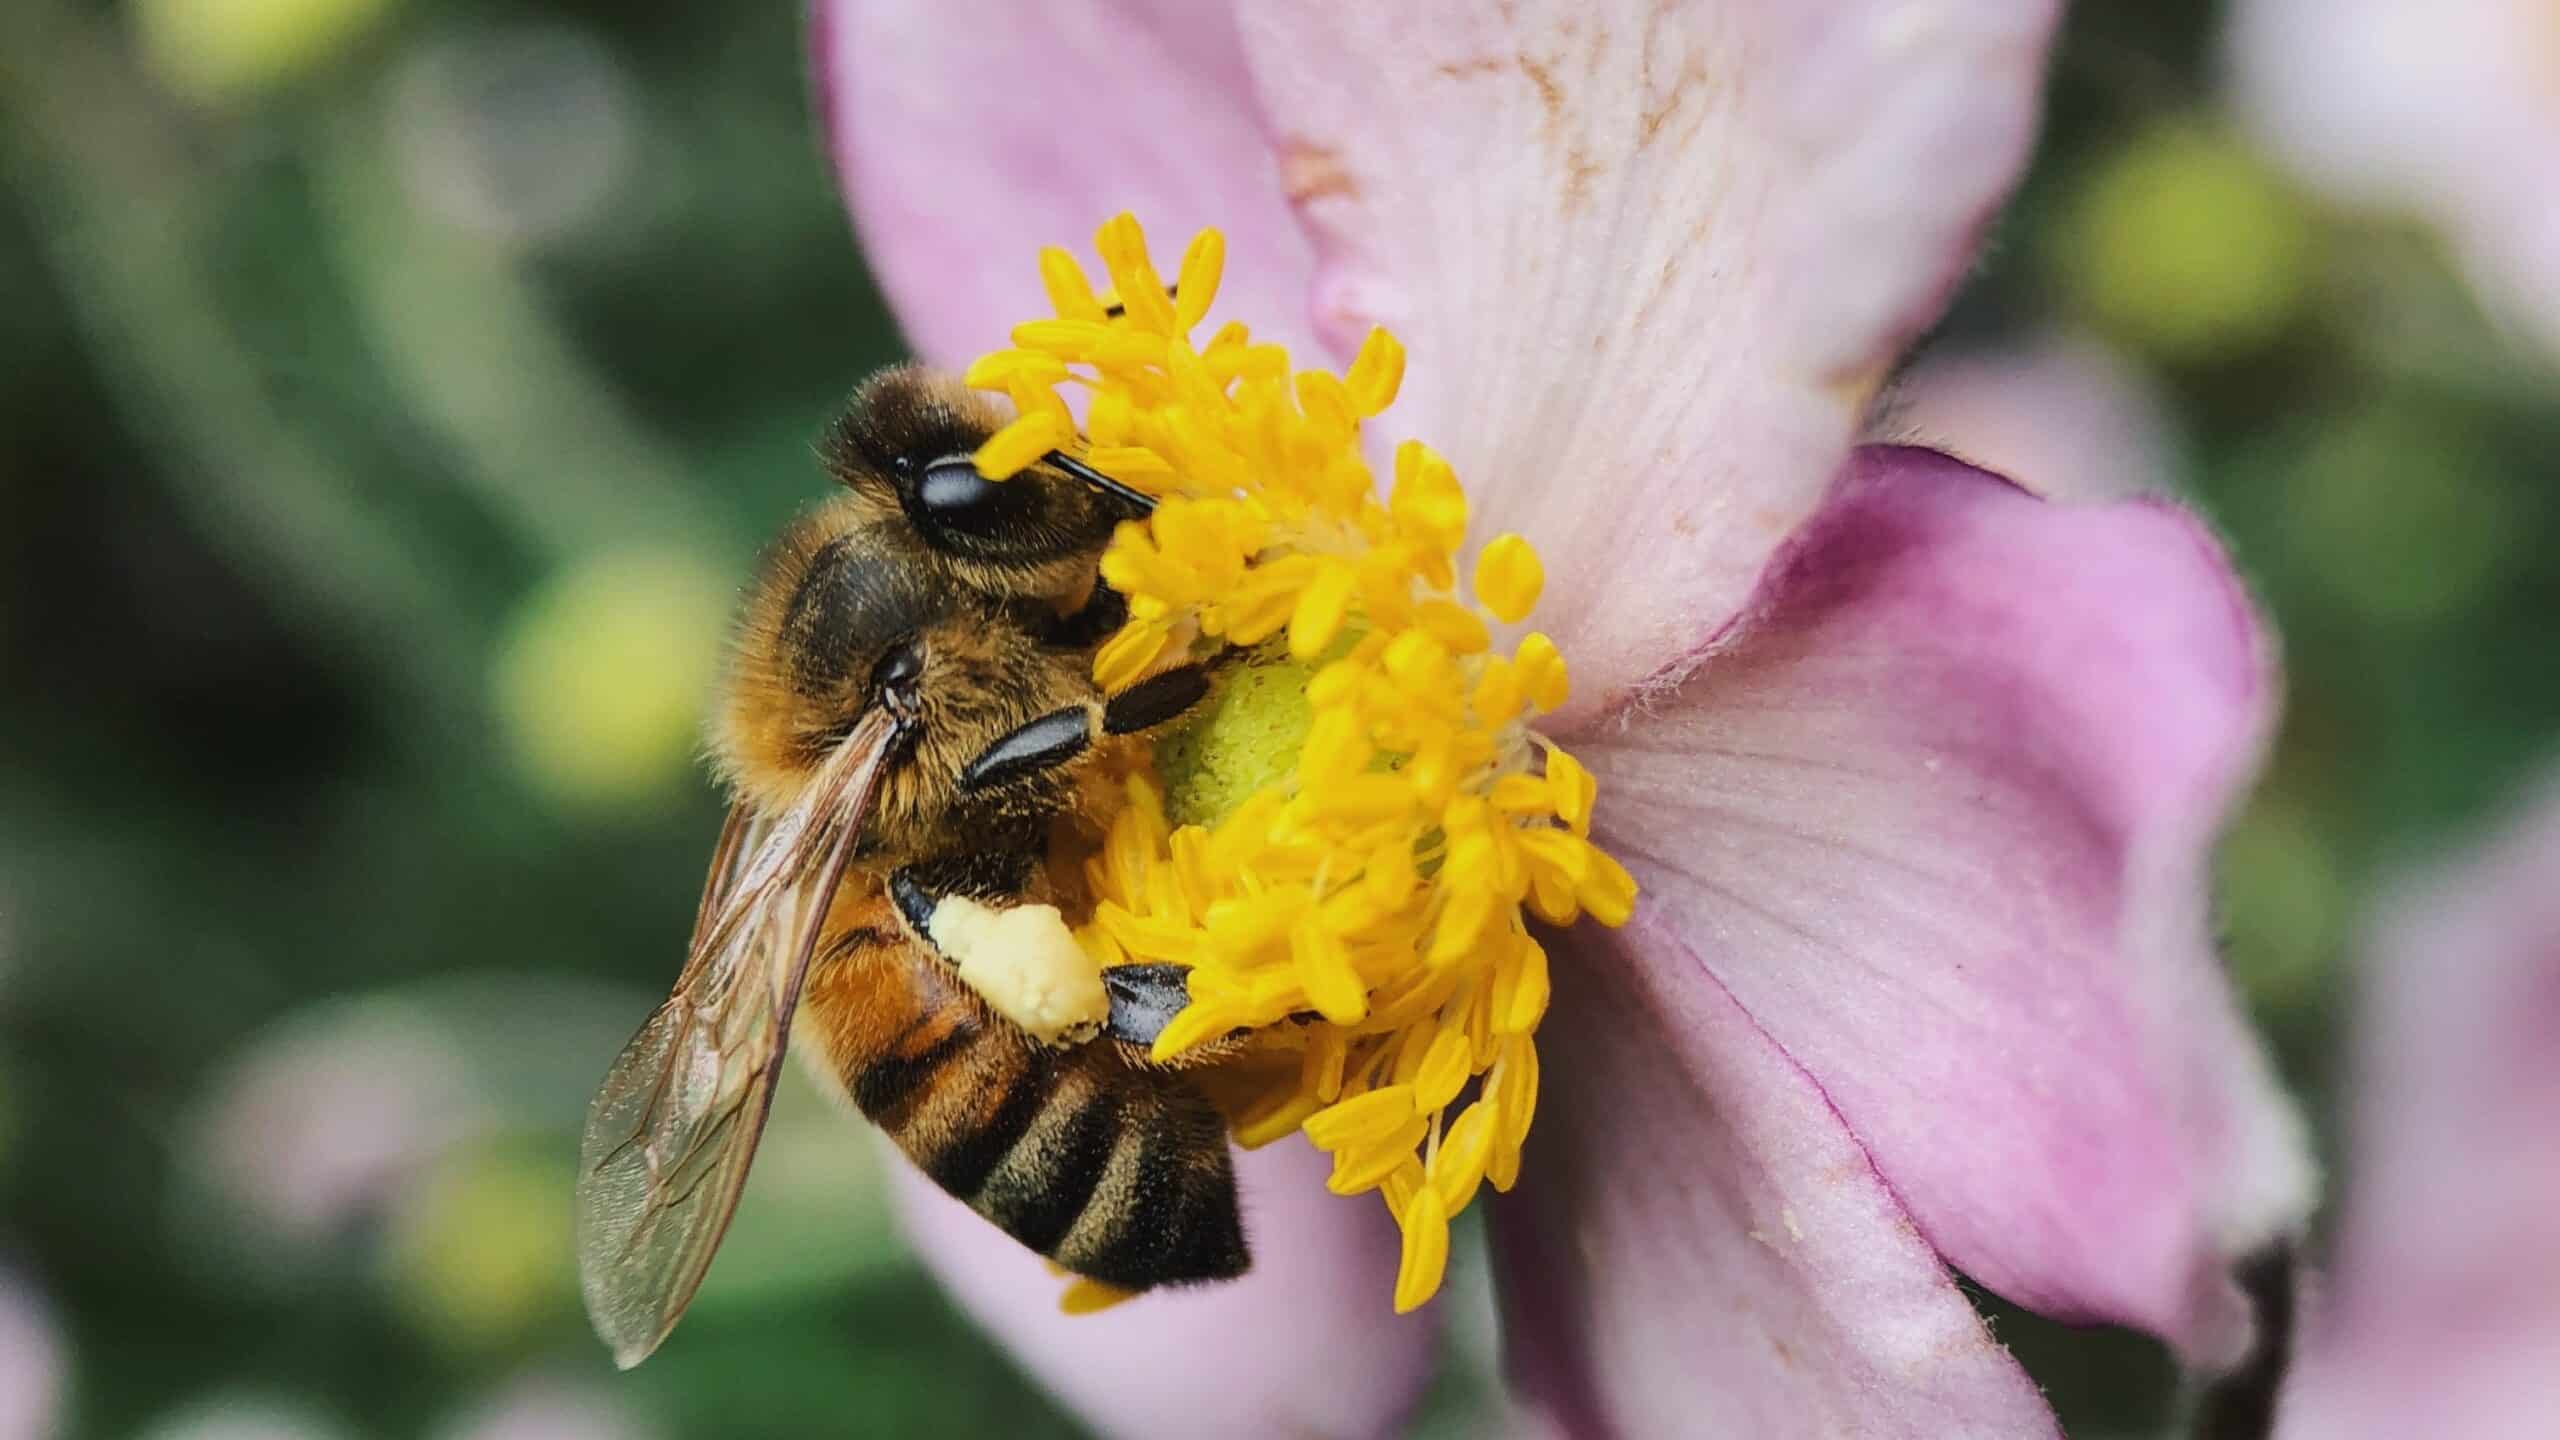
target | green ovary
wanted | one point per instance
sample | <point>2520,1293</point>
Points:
<point>1245,736</point>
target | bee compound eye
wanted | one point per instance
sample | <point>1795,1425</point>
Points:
<point>952,488</point>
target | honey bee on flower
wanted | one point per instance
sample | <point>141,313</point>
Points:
<point>1911,776</point>
<point>1362,918</point>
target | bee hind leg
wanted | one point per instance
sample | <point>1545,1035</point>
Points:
<point>1018,957</point>
<point>1144,1000</point>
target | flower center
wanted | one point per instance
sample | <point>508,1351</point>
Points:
<point>1343,848</point>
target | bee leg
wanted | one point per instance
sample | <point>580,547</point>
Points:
<point>1144,999</point>
<point>1104,612</point>
<point>1018,957</point>
<point>1044,744</point>
<point>1154,700</point>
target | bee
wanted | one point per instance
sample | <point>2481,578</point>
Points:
<point>910,722</point>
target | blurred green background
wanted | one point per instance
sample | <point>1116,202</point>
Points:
<point>392,393</point>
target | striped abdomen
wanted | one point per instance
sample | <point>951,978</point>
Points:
<point>1114,1170</point>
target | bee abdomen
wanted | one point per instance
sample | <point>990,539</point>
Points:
<point>1165,1210</point>
<point>1114,1173</point>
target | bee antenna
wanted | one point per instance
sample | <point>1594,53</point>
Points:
<point>1145,503</point>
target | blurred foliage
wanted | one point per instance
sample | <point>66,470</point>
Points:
<point>395,390</point>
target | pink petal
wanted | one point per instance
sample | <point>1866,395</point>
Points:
<point>1939,820</point>
<point>1307,1343</point>
<point>1700,1247</point>
<point>34,1369</point>
<point>2061,412</point>
<point>1649,259</point>
<point>2445,111</point>
<point>967,133</point>
<point>2444,1315</point>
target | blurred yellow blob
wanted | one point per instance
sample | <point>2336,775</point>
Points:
<point>2402,514</point>
<point>227,49</point>
<point>601,677</point>
<point>2184,243</point>
<point>480,1253</point>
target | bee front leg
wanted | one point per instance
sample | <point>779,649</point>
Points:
<point>1061,735</point>
<point>1020,958</point>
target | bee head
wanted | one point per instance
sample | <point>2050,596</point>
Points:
<point>904,447</point>
<point>953,600</point>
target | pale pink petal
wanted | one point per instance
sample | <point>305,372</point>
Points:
<point>2061,413</point>
<point>1939,819</point>
<point>34,1367</point>
<point>1649,259</point>
<point>2443,1318</point>
<point>2448,111</point>
<point>968,133</point>
<point>1307,1343</point>
<point>1699,1246</point>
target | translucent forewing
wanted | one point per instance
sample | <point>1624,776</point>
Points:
<point>674,1126</point>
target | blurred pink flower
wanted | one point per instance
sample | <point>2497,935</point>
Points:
<point>2443,1315</point>
<point>2447,111</point>
<point>1919,774</point>
<point>2061,413</point>
<point>32,1363</point>
<point>328,1114</point>
<point>545,1407</point>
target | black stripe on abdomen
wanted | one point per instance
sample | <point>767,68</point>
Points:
<point>963,1162</point>
<point>1172,1217</point>
<point>890,1086</point>
<point>1038,1196</point>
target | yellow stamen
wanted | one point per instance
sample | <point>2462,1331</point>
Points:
<point>1089,1297</point>
<point>1346,846</point>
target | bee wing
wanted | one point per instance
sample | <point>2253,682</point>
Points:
<point>673,1128</point>
<point>740,837</point>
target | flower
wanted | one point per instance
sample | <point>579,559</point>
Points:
<point>1360,842</point>
<point>2443,112</point>
<point>1916,774</point>
<point>2443,1314</point>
